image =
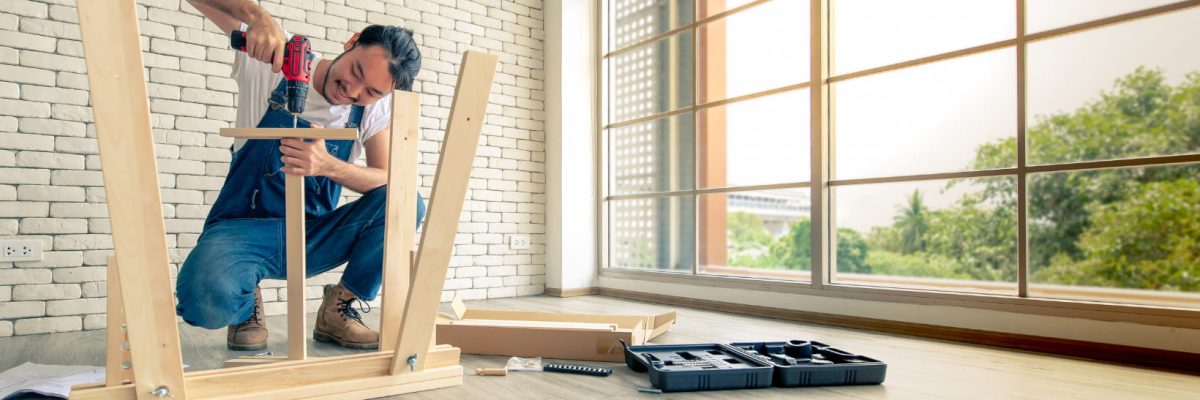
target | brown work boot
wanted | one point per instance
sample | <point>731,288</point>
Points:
<point>252,333</point>
<point>338,321</point>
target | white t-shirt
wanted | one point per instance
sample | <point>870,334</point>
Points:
<point>256,82</point>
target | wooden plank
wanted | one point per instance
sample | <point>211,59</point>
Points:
<point>116,351</point>
<point>555,325</point>
<point>301,133</point>
<point>296,261</point>
<point>395,390</point>
<point>401,212</point>
<point>250,360</point>
<point>298,379</point>
<point>113,54</point>
<point>449,188</point>
<point>362,386</point>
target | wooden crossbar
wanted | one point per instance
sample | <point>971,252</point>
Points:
<point>299,133</point>
<point>293,379</point>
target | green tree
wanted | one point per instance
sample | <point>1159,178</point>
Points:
<point>912,224</point>
<point>748,240</point>
<point>794,249</point>
<point>1141,116</point>
<point>1150,240</point>
<point>852,252</point>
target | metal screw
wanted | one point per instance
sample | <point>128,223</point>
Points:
<point>125,364</point>
<point>412,362</point>
<point>161,391</point>
<point>124,345</point>
<point>124,327</point>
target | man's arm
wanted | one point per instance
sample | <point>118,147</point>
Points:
<point>264,39</point>
<point>311,159</point>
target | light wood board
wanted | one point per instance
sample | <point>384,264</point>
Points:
<point>300,133</point>
<point>401,212</point>
<point>449,191</point>
<point>113,54</point>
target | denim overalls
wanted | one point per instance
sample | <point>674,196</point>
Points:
<point>243,238</point>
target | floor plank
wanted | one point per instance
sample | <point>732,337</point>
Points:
<point>917,368</point>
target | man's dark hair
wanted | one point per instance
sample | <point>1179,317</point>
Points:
<point>405,60</point>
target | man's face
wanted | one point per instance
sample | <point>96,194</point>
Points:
<point>358,76</point>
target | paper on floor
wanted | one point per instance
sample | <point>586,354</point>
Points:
<point>47,380</point>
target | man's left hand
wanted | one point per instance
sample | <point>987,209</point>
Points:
<point>305,158</point>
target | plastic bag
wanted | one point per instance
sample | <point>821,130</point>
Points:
<point>524,364</point>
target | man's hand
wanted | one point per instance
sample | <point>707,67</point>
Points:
<point>264,38</point>
<point>265,41</point>
<point>306,158</point>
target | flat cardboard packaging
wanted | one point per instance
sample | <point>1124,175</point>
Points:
<point>567,336</point>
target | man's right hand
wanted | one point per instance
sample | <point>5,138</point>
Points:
<point>265,41</point>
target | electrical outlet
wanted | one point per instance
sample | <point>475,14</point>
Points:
<point>20,250</point>
<point>518,242</point>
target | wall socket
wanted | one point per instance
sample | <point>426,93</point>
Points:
<point>518,242</point>
<point>20,250</point>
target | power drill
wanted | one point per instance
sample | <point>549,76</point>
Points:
<point>297,58</point>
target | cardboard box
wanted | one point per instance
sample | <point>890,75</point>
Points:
<point>567,336</point>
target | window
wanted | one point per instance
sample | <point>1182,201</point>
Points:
<point>1026,150</point>
<point>689,107</point>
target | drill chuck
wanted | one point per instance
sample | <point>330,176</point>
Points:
<point>297,93</point>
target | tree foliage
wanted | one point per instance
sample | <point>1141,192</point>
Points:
<point>1120,227</point>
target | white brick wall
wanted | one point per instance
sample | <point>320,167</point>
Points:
<point>51,188</point>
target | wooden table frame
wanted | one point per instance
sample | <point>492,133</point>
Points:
<point>144,359</point>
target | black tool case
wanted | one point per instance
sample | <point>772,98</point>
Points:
<point>689,367</point>
<point>800,363</point>
<point>751,365</point>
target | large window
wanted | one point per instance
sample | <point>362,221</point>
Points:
<point>1023,149</point>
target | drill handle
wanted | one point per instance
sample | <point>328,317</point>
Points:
<point>237,40</point>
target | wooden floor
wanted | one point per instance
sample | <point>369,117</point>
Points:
<point>917,368</point>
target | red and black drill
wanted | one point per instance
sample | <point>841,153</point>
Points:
<point>297,58</point>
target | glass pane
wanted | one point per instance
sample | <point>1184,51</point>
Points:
<point>759,234</point>
<point>651,79</point>
<point>631,21</point>
<point>754,142</point>
<point>732,49</point>
<point>1128,90</point>
<point>872,33</point>
<point>653,156</point>
<point>948,116</point>
<point>654,234</point>
<point>1043,15</point>
<point>708,8</point>
<point>954,235</point>
<point>1127,235</point>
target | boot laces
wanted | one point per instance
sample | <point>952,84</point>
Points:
<point>254,317</point>
<point>346,308</point>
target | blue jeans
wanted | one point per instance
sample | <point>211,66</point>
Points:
<point>216,284</point>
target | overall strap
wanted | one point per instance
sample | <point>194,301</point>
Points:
<point>278,98</point>
<point>356,114</point>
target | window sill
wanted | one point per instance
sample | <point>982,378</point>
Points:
<point>1178,310</point>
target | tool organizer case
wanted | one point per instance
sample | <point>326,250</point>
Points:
<point>751,365</point>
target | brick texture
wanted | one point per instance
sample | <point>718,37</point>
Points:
<point>51,188</point>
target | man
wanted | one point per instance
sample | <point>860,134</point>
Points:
<point>243,237</point>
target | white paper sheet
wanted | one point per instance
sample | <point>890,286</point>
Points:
<point>48,380</point>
